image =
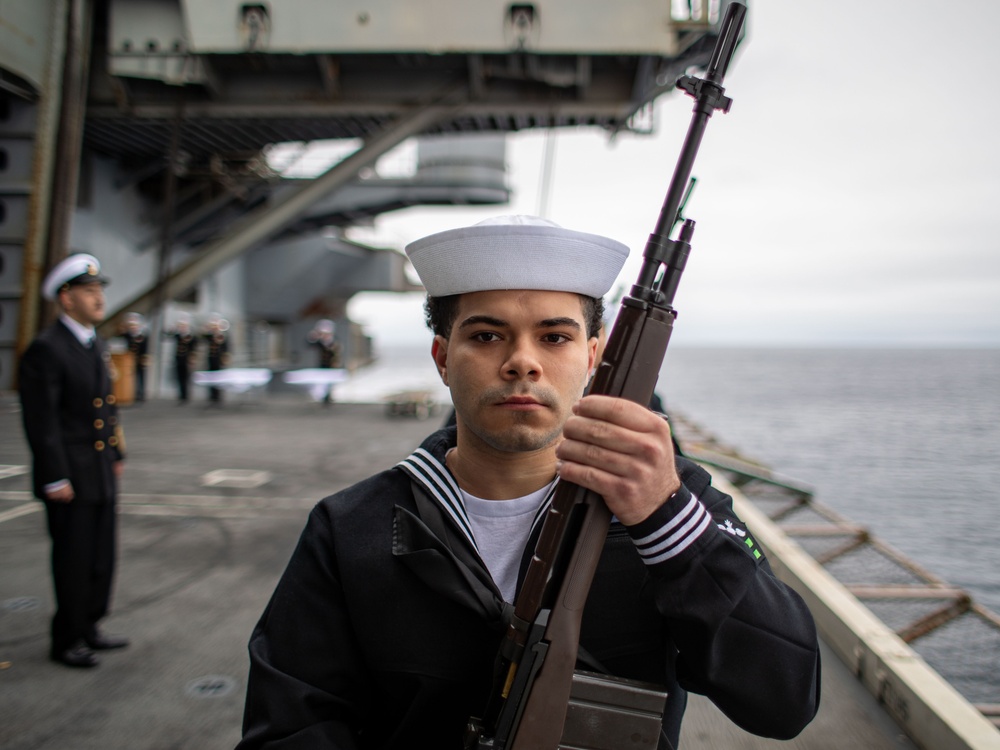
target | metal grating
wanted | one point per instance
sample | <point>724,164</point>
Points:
<point>800,515</point>
<point>869,565</point>
<point>966,651</point>
<point>253,100</point>
<point>821,547</point>
<point>898,614</point>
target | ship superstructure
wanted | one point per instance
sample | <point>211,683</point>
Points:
<point>141,130</point>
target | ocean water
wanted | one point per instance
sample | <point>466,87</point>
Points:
<point>905,442</point>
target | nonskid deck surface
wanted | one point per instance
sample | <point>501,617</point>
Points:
<point>212,504</point>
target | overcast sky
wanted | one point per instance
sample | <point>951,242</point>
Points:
<point>849,197</point>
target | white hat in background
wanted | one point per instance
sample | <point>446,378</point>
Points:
<point>79,268</point>
<point>215,320</point>
<point>516,252</point>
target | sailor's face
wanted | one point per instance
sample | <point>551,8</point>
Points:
<point>84,303</point>
<point>516,362</point>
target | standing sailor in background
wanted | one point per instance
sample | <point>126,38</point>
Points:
<point>322,337</point>
<point>71,423</point>
<point>138,346</point>
<point>185,343</point>
<point>218,351</point>
<point>384,628</point>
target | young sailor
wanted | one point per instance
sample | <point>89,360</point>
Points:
<point>384,628</point>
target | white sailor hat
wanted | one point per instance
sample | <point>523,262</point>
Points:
<point>79,268</point>
<point>516,252</point>
<point>324,326</point>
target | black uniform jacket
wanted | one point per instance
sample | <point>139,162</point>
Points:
<point>138,346</point>
<point>69,415</point>
<point>218,350</point>
<point>186,345</point>
<point>383,630</point>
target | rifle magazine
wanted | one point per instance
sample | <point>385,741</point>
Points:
<point>612,713</point>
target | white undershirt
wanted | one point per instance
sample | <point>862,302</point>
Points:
<point>501,529</point>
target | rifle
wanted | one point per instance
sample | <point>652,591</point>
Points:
<point>535,664</point>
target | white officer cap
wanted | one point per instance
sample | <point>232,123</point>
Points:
<point>516,252</point>
<point>79,268</point>
<point>216,319</point>
<point>324,326</point>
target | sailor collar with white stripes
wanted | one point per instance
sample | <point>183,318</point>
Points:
<point>430,471</point>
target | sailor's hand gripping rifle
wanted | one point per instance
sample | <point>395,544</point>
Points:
<point>535,666</point>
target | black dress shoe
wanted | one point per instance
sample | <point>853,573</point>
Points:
<point>103,642</point>
<point>79,655</point>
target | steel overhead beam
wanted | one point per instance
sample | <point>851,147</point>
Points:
<point>265,222</point>
<point>156,113</point>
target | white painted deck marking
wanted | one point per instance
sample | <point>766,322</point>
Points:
<point>12,470</point>
<point>245,479</point>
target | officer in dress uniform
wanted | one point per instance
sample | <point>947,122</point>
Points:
<point>138,346</point>
<point>218,351</point>
<point>185,343</point>
<point>321,337</point>
<point>71,422</point>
